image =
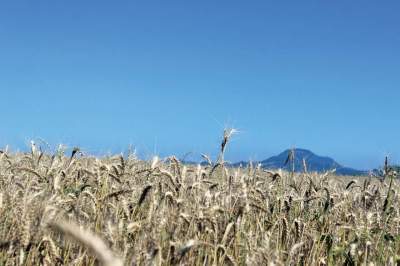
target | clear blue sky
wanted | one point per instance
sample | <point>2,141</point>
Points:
<point>167,76</point>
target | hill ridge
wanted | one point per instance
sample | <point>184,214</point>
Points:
<point>314,162</point>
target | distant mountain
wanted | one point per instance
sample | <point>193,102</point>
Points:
<point>315,163</point>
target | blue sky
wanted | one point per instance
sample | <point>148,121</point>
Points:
<point>168,76</point>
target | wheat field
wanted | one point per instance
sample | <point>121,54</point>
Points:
<point>75,209</point>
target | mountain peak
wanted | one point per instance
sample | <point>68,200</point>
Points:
<point>299,151</point>
<point>315,163</point>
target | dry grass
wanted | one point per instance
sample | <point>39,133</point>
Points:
<point>81,210</point>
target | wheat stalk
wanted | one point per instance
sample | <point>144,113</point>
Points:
<point>90,241</point>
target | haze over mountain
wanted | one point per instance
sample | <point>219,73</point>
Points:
<point>315,163</point>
